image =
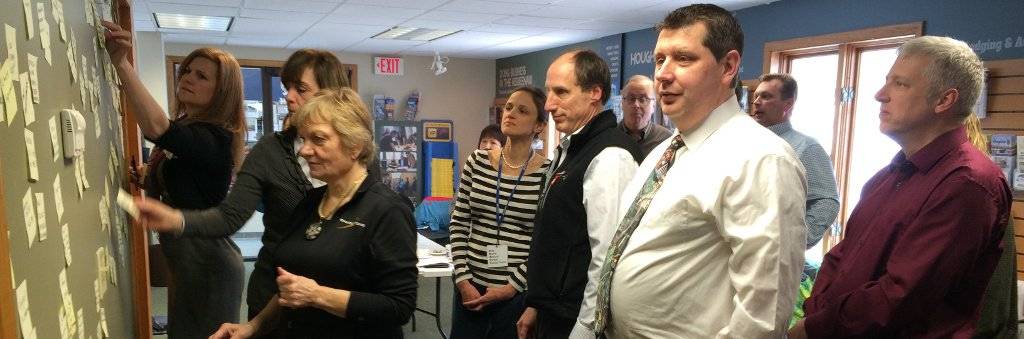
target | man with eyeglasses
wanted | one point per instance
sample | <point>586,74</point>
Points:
<point>773,104</point>
<point>637,107</point>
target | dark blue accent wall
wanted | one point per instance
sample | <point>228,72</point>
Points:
<point>979,23</point>
<point>994,28</point>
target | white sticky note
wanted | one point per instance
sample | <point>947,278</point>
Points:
<point>26,99</point>
<point>72,64</point>
<point>24,314</point>
<point>7,87</point>
<point>65,235</point>
<point>78,179</point>
<point>12,46</point>
<point>55,142</point>
<point>30,24</point>
<point>44,32</point>
<point>85,178</point>
<point>81,323</point>
<point>31,228</point>
<point>124,199</point>
<point>30,150</point>
<point>41,214</point>
<point>33,76</point>
<point>58,198</point>
<point>103,322</point>
<point>65,292</point>
<point>104,214</point>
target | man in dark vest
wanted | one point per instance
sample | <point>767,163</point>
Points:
<point>578,213</point>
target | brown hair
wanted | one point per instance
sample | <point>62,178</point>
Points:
<point>723,30</point>
<point>346,113</point>
<point>327,69</point>
<point>788,90</point>
<point>226,108</point>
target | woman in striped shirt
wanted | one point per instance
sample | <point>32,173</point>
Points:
<point>492,223</point>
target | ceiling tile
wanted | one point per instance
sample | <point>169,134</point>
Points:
<point>378,46</point>
<point>363,20</point>
<point>524,20</point>
<point>143,25</point>
<point>614,4</point>
<point>491,7</point>
<point>269,27</point>
<point>603,25</point>
<point>260,40</point>
<point>141,10</point>
<point>220,3</point>
<point>512,29</point>
<point>159,7</point>
<point>278,15</point>
<point>330,28</point>
<point>193,39</point>
<point>291,5</point>
<point>586,13</point>
<point>376,11</point>
<point>194,32</point>
<point>417,4</point>
<point>460,16</point>
<point>441,24</point>
<point>334,42</point>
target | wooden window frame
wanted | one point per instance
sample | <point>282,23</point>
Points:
<point>778,56</point>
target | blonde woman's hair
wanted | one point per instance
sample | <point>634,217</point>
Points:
<point>226,108</point>
<point>346,113</point>
<point>973,127</point>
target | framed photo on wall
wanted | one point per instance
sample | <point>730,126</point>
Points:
<point>398,155</point>
<point>437,130</point>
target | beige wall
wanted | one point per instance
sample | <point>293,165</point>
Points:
<point>462,95</point>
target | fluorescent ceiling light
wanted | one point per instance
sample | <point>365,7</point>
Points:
<point>199,22</point>
<point>414,34</point>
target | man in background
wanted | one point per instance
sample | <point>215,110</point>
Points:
<point>637,108</point>
<point>773,106</point>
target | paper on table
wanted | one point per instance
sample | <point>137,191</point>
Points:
<point>30,217</point>
<point>26,99</point>
<point>44,32</point>
<point>24,314</point>
<point>33,76</point>
<point>54,138</point>
<point>65,235</point>
<point>41,214</point>
<point>58,198</point>
<point>12,46</point>
<point>30,150</point>
<point>30,25</point>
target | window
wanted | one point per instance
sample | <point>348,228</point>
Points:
<point>838,76</point>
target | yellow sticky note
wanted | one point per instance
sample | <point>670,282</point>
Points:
<point>441,177</point>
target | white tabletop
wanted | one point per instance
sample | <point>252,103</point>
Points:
<point>425,249</point>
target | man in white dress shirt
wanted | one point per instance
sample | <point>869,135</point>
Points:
<point>717,251</point>
<point>577,213</point>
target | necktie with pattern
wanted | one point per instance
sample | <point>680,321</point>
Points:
<point>626,227</point>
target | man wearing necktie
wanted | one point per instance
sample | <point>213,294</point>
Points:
<point>711,241</point>
<point>577,214</point>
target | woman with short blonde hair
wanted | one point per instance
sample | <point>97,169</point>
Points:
<point>348,267</point>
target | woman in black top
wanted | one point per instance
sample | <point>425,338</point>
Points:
<point>272,173</point>
<point>347,269</point>
<point>191,168</point>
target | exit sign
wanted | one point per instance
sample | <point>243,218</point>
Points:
<point>388,66</point>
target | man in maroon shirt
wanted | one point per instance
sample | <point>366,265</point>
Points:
<point>922,243</point>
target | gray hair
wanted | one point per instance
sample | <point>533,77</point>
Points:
<point>639,78</point>
<point>951,65</point>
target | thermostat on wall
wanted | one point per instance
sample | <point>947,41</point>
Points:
<point>72,125</point>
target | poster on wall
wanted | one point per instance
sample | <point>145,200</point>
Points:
<point>437,131</point>
<point>398,155</point>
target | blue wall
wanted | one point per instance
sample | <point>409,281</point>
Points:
<point>979,23</point>
<point>994,28</point>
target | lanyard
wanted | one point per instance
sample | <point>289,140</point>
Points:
<point>499,212</point>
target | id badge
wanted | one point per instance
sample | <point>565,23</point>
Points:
<point>497,255</point>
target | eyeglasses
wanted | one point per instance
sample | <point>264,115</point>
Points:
<point>639,100</point>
